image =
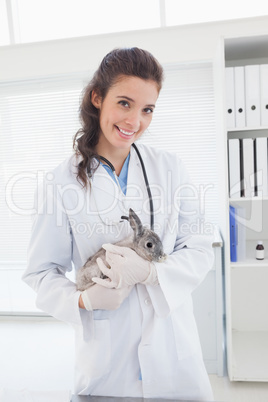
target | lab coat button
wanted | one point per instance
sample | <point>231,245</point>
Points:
<point>147,301</point>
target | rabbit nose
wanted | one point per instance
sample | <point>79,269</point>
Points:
<point>162,258</point>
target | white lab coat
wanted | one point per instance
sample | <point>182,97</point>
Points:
<point>153,334</point>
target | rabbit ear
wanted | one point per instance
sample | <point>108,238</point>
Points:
<point>135,223</point>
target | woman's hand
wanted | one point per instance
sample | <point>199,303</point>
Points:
<point>98,297</point>
<point>127,268</point>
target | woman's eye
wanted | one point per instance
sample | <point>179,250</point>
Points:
<point>124,103</point>
<point>148,110</point>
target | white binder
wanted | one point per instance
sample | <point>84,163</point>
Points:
<point>230,100</point>
<point>261,166</point>
<point>234,168</point>
<point>264,94</point>
<point>239,95</point>
<point>248,172</point>
<point>252,84</point>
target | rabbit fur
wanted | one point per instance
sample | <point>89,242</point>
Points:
<point>145,242</point>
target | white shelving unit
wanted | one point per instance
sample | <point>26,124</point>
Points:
<point>246,282</point>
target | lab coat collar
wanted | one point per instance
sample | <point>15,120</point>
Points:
<point>107,198</point>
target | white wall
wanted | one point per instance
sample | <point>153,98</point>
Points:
<point>185,43</point>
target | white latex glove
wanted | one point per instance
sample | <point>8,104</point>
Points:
<point>98,297</point>
<point>127,268</point>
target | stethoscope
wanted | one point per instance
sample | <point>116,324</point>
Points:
<point>145,180</point>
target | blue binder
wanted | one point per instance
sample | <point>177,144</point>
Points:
<point>233,233</point>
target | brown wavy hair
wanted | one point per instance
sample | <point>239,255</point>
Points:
<point>117,63</point>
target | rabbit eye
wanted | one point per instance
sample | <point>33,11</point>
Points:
<point>149,245</point>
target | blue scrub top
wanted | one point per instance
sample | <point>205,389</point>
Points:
<point>122,178</point>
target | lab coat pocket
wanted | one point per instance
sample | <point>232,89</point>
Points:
<point>94,353</point>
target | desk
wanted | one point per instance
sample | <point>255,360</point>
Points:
<point>92,398</point>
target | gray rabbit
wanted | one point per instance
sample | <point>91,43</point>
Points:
<point>144,241</point>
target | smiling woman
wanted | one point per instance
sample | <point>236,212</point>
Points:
<point>117,107</point>
<point>123,119</point>
<point>135,331</point>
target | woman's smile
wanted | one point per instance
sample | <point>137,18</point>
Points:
<point>125,133</point>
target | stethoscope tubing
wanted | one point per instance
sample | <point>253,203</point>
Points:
<point>147,187</point>
<point>145,180</point>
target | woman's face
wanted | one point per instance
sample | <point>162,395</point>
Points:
<point>125,112</point>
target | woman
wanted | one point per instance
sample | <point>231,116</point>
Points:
<point>137,339</point>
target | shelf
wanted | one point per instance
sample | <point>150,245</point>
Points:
<point>247,132</point>
<point>246,281</point>
<point>243,129</point>
<point>250,260</point>
<point>248,47</point>
<point>250,356</point>
<point>248,199</point>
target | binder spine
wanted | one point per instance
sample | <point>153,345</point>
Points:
<point>241,158</point>
<point>230,99</point>
<point>240,113</point>
<point>255,167</point>
<point>264,94</point>
<point>252,90</point>
<point>233,234</point>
